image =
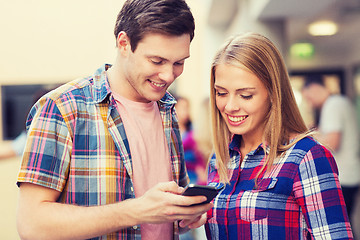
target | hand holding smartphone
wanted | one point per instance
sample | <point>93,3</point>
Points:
<point>196,190</point>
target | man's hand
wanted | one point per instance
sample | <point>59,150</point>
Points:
<point>164,203</point>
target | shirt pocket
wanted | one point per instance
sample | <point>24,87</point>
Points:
<point>252,203</point>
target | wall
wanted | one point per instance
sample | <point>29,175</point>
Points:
<point>57,41</point>
<point>46,41</point>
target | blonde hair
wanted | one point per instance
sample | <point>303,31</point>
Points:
<point>260,56</point>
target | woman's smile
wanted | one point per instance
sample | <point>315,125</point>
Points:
<point>236,120</point>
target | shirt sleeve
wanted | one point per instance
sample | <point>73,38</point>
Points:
<point>318,192</point>
<point>46,157</point>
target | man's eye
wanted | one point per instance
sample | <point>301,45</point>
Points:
<point>157,62</point>
<point>179,63</point>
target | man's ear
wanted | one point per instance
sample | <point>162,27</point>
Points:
<point>123,42</point>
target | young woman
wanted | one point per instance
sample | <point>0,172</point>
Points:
<point>280,182</point>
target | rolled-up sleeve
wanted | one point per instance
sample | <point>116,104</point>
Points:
<point>47,152</point>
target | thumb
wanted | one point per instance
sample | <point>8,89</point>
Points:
<point>170,187</point>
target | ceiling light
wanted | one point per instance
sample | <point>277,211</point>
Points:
<point>323,28</point>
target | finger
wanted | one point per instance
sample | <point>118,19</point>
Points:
<point>188,213</point>
<point>199,223</point>
<point>185,222</point>
<point>191,200</point>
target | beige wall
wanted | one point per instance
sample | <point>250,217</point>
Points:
<point>56,41</point>
<point>46,41</point>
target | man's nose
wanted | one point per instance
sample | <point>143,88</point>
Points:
<point>167,73</point>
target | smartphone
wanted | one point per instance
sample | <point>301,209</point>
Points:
<point>195,190</point>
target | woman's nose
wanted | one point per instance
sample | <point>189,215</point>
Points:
<point>232,105</point>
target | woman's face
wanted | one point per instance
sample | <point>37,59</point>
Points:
<point>242,100</point>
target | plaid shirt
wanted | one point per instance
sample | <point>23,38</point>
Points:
<point>300,198</point>
<point>77,145</point>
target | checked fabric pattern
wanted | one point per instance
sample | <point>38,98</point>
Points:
<point>77,145</point>
<point>299,198</point>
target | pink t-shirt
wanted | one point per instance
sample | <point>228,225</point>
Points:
<point>149,153</point>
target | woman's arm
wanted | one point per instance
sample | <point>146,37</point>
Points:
<point>318,192</point>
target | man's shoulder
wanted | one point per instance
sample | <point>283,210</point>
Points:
<point>70,89</point>
<point>338,100</point>
<point>90,88</point>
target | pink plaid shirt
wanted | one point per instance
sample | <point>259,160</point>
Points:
<point>300,198</point>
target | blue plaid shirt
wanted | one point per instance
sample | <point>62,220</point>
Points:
<point>300,198</point>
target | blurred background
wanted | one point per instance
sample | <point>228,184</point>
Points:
<point>46,43</point>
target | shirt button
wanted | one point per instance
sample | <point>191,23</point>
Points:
<point>135,227</point>
<point>132,189</point>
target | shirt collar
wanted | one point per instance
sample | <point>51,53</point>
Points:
<point>101,84</point>
<point>235,145</point>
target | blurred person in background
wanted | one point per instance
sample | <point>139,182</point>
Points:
<point>203,131</point>
<point>194,160</point>
<point>195,163</point>
<point>338,130</point>
<point>103,158</point>
<point>281,183</point>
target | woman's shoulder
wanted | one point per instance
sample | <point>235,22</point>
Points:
<point>306,142</point>
<point>307,145</point>
<point>311,148</point>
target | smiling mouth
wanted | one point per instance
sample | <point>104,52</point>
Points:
<point>158,85</point>
<point>237,119</point>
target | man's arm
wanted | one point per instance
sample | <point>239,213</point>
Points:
<point>41,217</point>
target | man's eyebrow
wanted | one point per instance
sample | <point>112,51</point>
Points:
<point>165,59</point>
<point>184,58</point>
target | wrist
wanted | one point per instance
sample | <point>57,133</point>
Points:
<point>128,214</point>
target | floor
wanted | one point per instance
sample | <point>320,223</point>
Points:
<point>8,174</point>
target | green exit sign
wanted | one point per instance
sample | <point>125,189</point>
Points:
<point>302,50</point>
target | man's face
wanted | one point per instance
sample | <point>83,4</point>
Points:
<point>312,95</point>
<point>154,65</point>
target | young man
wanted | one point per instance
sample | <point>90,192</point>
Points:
<point>104,158</point>
<point>338,130</point>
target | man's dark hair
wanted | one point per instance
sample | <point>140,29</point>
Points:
<point>313,78</point>
<point>139,17</point>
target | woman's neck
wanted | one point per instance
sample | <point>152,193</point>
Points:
<point>248,145</point>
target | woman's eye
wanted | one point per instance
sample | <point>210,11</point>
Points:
<point>220,94</point>
<point>246,96</point>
